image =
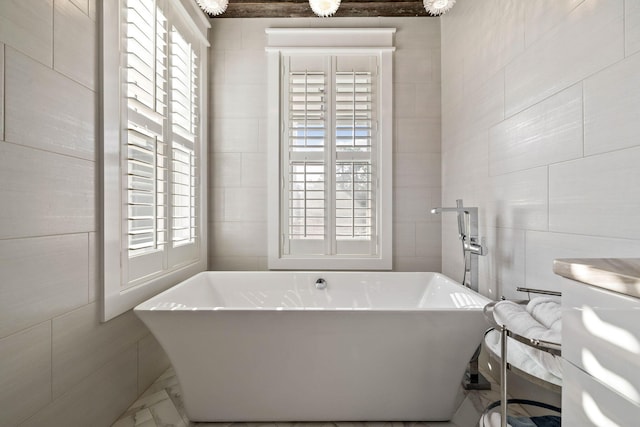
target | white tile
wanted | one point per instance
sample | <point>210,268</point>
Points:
<point>245,204</point>
<point>597,195</point>
<point>37,200</point>
<point>253,34</point>
<point>417,135</point>
<point>98,399</point>
<point>414,204</point>
<point>631,27</point>
<point>82,5</point>
<point>94,271</point>
<point>152,362</point>
<point>416,170</point>
<point>225,34</point>
<point>25,373</point>
<point>483,106</point>
<point>428,238</point>
<point>542,16</point>
<point>404,239</point>
<point>427,100</point>
<point>544,247</point>
<point>417,264</point>
<point>254,170</point>
<point>412,65</point>
<point>518,200</point>
<point>74,56</point>
<point>41,278</point>
<point>235,135</point>
<point>239,100</point>
<point>404,100</point>
<point>226,169</point>
<point>548,132</point>
<point>216,203</point>
<point>467,159</point>
<point>611,105</point>
<point>63,109</point>
<point>238,239</point>
<point>1,91</point>
<point>245,66</point>
<point>226,263</point>
<point>217,66</point>
<point>81,344</point>
<point>503,268</point>
<point>413,32</point>
<point>28,27</point>
<point>93,9</point>
<point>589,39</point>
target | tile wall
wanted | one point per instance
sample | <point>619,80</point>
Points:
<point>59,365</point>
<point>238,211</point>
<point>541,130</point>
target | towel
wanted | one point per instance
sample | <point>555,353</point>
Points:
<point>546,311</point>
<point>519,319</point>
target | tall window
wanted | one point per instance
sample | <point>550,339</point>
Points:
<point>333,148</point>
<point>153,148</point>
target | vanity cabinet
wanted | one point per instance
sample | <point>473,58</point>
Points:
<point>600,342</point>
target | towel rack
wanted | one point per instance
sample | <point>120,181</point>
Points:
<point>541,345</point>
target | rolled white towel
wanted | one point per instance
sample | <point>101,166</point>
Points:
<point>516,318</point>
<point>547,311</point>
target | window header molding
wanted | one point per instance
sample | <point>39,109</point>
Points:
<point>279,39</point>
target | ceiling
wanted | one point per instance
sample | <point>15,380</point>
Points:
<point>300,8</point>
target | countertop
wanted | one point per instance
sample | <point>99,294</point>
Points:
<point>615,274</point>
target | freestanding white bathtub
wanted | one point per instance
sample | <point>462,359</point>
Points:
<point>269,346</point>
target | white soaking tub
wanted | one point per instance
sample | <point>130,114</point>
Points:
<point>269,346</point>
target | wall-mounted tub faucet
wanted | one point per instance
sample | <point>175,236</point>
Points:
<point>472,245</point>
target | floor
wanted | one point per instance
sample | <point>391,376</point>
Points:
<point>161,406</point>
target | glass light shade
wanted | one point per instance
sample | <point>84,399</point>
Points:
<point>324,8</point>
<point>438,7</point>
<point>213,7</point>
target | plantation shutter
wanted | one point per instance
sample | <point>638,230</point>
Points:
<point>329,143</point>
<point>146,151</point>
<point>184,126</point>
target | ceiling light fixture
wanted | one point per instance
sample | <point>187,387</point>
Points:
<point>213,7</point>
<point>438,7</point>
<point>324,8</point>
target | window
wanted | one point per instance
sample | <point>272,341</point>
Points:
<point>330,150</point>
<point>153,77</point>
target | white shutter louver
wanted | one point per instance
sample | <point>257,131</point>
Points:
<point>145,89</point>
<point>184,121</point>
<point>306,142</point>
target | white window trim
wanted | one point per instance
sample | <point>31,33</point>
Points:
<point>116,299</point>
<point>330,41</point>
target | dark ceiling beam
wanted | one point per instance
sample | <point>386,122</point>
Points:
<point>301,9</point>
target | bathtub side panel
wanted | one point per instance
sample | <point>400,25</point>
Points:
<point>318,366</point>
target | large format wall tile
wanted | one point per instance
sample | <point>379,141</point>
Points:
<point>41,277</point>
<point>518,200</point>
<point>25,373</point>
<point>152,362</point>
<point>501,271</point>
<point>101,342</point>
<point>98,399</point>
<point>1,91</point>
<point>235,135</point>
<point>548,132</point>
<point>28,27</point>
<point>238,239</point>
<point>46,110</point>
<point>542,16</point>
<point>598,195</point>
<point>611,105</point>
<point>416,170</point>
<point>44,193</point>
<point>588,40</point>
<point>74,56</point>
<point>631,27</point>
<point>544,247</point>
<point>245,204</point>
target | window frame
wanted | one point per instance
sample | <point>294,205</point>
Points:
<point>284,42</point>
<point>117,297</point>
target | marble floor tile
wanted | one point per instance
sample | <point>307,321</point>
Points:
<point>161,406</point>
